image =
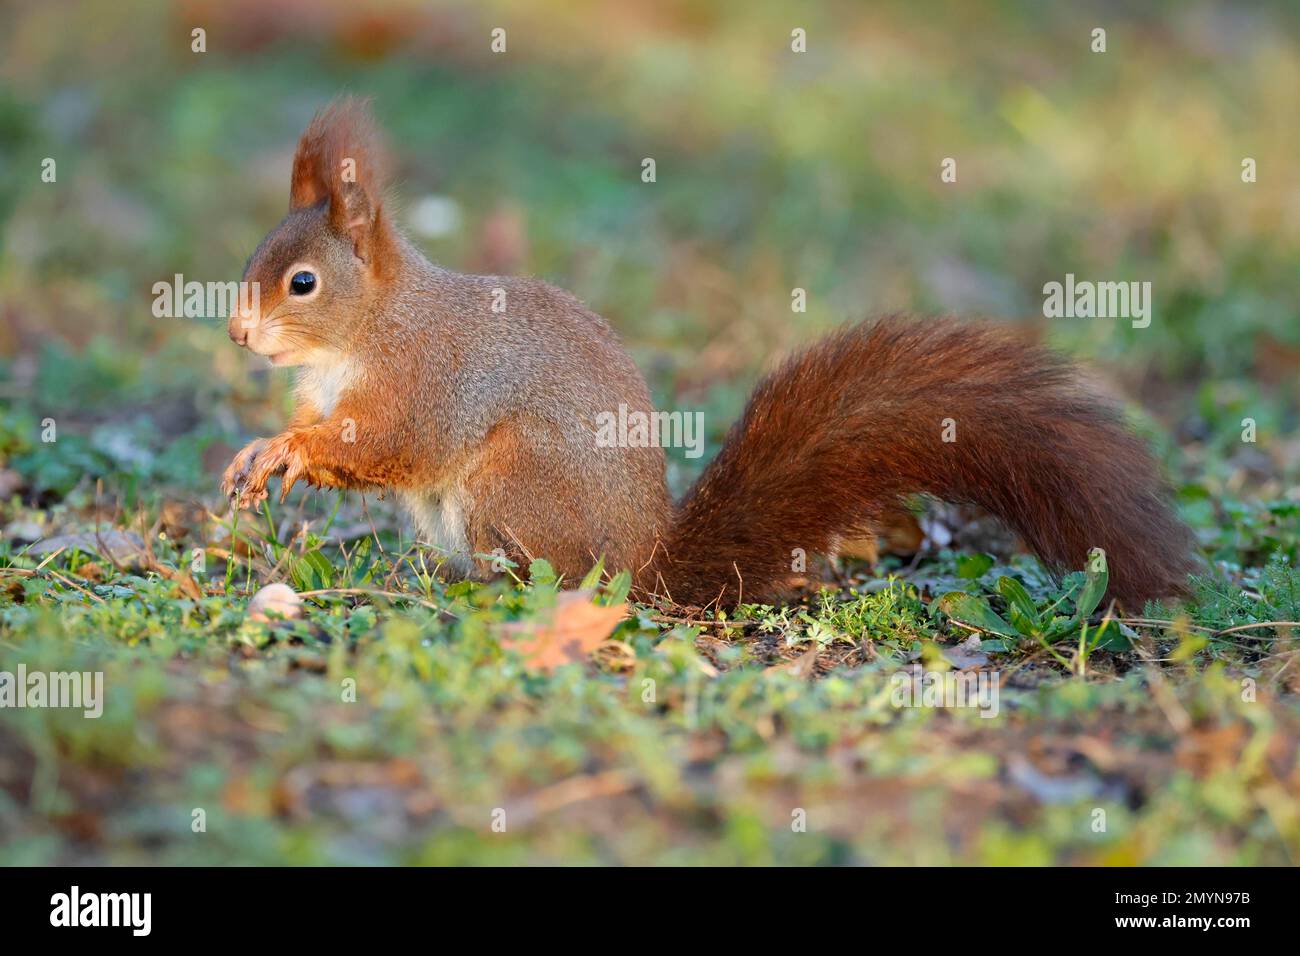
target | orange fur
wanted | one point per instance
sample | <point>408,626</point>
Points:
<point>483,419</point>
<point>831,440</point>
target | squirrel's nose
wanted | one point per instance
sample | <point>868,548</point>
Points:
<point>238,333</point>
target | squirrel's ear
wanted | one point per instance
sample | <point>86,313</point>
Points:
<point>340,161</point>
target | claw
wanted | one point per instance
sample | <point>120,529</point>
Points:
<point>234,481</point>
<point>292,473</point>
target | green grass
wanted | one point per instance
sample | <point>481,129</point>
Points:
<point>1177,728</point>
<point>391,728</point>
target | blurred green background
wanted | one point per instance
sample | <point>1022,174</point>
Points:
<point>776,170</point>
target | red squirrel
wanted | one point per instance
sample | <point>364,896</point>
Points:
<point>475,399</point>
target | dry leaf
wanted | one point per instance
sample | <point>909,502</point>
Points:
<point>567,633</point>
<point>898,532</point>
<point>1052,789</point>
<point>805,665</point>
<point>10,482</point>
<point>968,655</point>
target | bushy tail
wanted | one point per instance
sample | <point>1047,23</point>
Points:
<point>835,436</point>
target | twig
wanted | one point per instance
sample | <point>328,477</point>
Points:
<point>392,595</point>
<point>1150,621</point>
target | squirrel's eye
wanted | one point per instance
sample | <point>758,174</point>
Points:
<point>302,283</point>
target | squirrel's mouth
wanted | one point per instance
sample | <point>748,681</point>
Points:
<point>280,359</point>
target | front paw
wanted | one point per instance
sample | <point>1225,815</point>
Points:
<point>235,479</point>
<point>282,456</point>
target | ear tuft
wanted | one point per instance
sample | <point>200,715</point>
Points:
<point>341,161</point>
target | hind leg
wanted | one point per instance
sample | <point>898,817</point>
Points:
<point>526,501</point>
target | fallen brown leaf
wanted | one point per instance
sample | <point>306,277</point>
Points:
<point>805,665</point>
<point>968,655</point>
<point>569,632</point>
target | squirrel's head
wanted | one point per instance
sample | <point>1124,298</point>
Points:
<point>321,269</point>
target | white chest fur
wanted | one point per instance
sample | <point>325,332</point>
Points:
<point>321,385</point>
<point>439,518</point>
